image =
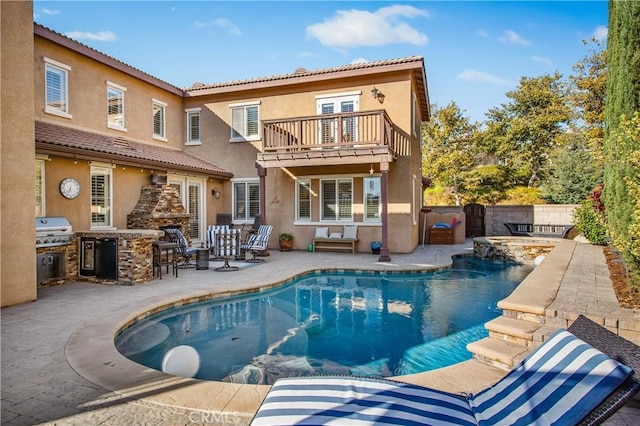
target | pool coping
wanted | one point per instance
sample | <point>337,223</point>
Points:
<point>91,352</point>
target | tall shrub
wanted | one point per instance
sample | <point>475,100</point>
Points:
<point>623,99</point>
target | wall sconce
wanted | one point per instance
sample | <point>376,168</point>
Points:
<point>376,93</point>
<point>216,193</point>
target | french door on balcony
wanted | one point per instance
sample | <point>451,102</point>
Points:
<point>328,129</point>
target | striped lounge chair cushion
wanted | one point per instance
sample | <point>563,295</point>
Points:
<point>559,383</point>
<point>359,401</point>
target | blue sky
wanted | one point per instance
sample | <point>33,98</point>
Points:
<point>475,51</point>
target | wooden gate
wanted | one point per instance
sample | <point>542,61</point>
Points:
<point>474,217</point>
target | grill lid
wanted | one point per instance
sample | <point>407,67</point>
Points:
<point>53,225</point>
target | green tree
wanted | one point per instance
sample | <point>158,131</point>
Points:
<point>588,94</point>
<point>622,201</point>
<point>573,173</point>
<point>448,148</point>
<point>524,132</point>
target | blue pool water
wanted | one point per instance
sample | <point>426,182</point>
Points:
<point>333,323</point>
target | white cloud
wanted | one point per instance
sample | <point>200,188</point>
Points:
<point>50,12</point>
<point>359,61</point>
<point>512,37</point>
<point>222,23</point>
<point>481,77</point>
<point>542,60</point>
<point>352,28</point>
<point>600,33</point>
<point>482,33</point>
<point>85,35</point>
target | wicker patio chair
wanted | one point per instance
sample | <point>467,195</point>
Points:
<point>581,375</point>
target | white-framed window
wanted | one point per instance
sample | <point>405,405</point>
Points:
<point>246,200</point>
<point>193,126</point>
<point>336,199</point>
<point>40,195</point>
<point>101,197</point>
<point>303,200</point>
<point>333,104</point>
<point>245,121</point>
<point>115,106</point>
<point>191,190</point>
<point>56,88</point>
<point>159,114</point>
<point>371,198</point>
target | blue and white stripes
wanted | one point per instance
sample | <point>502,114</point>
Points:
<point>559,383</point>
<point>359,401</point>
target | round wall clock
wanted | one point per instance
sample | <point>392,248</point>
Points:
<point>70,188</point>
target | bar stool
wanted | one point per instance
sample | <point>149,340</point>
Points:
<point>164,254</point>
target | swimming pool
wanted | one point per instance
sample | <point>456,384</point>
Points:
<point>333,323</point>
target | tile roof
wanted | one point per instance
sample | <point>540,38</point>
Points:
<point>74,142</point>
<point>301,72</point>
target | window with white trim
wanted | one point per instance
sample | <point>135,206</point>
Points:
<point>303,200</point>
<point>40,211</point>
<point>246,200</point>
<point>336,200</point>
<point>101,197</point>
<point>159,111</point>
<point>371,197</point>
<point>56,88</point>
<point>191,193</point>
<point>245,121</point>
<point>333,105</point>
<point>193,126</point>
<point>115,106</point>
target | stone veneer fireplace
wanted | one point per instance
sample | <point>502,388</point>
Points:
<point>159,207</point>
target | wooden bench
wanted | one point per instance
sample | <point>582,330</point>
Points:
<point>538,230</point>
<point>340,244</point>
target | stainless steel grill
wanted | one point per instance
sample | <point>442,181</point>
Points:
<point>53,231</point>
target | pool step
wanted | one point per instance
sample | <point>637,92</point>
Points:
<point>497,353</point>
<point>509,341</point>
<point>515,331</point>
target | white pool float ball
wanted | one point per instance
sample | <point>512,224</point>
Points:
<point>181,361</point>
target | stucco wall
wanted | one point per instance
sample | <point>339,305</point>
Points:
<point>17,159</point>
<point>87,91</point>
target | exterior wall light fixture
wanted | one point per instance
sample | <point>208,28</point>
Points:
<point>216,193</point>
<point>376,93</point>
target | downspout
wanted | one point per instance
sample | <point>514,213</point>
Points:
<point>384,250</point>
<point>262,173</point>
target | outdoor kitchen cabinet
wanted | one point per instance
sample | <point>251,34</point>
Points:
<point>99,258</point>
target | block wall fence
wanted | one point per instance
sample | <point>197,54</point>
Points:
<point>497,215</point>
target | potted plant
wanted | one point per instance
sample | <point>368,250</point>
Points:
<point>286,241</point>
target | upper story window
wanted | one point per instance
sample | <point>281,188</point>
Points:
<point>56,88</point>
<point>101,197</point>
<point>246,200</point>
<point>245,121</point>
<point>193,126</point>
<point>303,200</point>
<point>159,112</point>
<point>336,203</point>
<point>334,104</point>
<point>371,197</point>
<point>115,106</point>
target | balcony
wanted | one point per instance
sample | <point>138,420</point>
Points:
<point>328,139</point>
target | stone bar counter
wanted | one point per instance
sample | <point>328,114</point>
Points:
<point>116,256</point>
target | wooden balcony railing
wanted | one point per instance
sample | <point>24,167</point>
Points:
<point>328,131</point>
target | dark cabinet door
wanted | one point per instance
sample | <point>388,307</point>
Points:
<point>106,258</point>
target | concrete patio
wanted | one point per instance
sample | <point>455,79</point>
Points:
<point>43,341</point>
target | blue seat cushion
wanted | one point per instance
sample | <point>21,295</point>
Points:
<point>560,382</point>
<point>359,401</point>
